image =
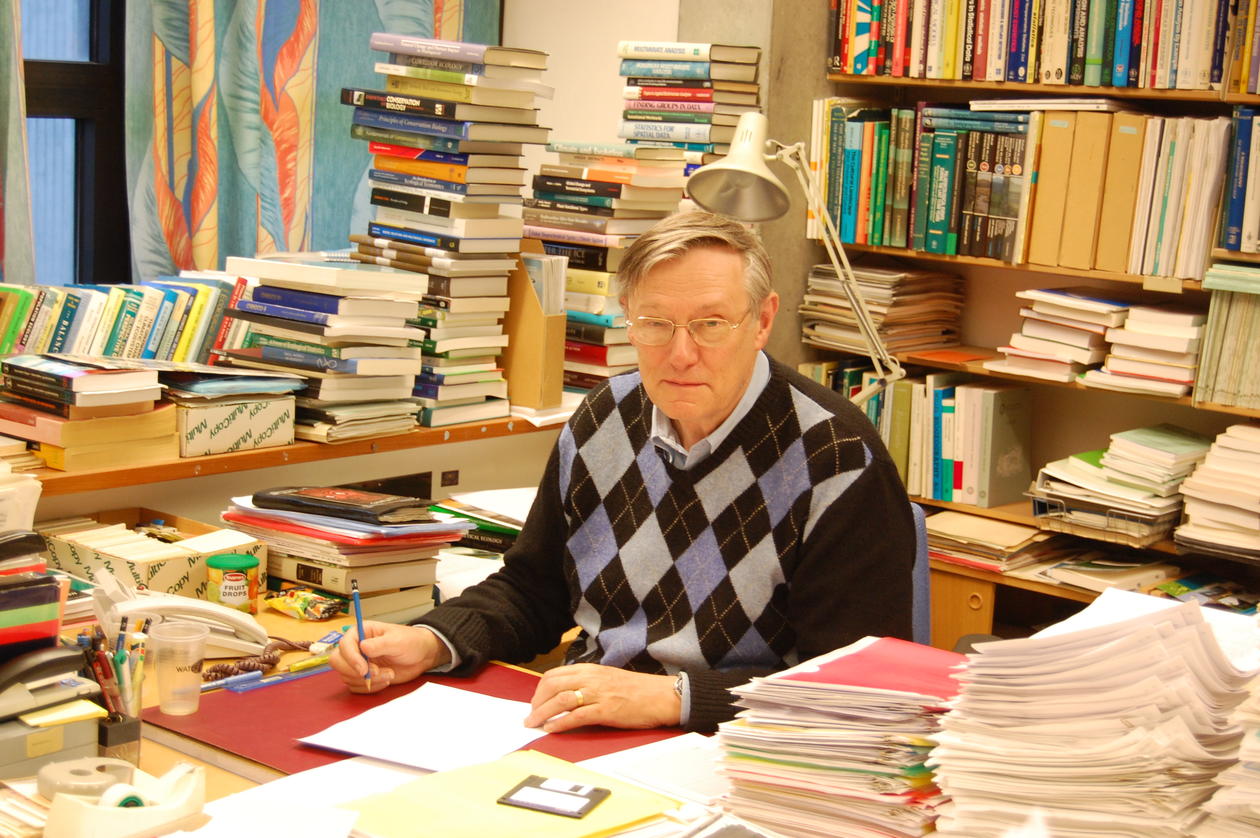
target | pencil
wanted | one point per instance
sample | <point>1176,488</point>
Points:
<point>358,622</point>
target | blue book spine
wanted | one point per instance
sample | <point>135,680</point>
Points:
<point>286,312</point>
<point>160,321</point>
<point>850,183</point>
<point>1017,47</point>
<point>1124,37</point>
<point>939,395</point>
<point>646,68</point>
<point>946,471</point>
<point>1175,56</point>
<point>1239,160</point>
<point>587,317</point>
<point>939,122</point>
<point>410,122</point>
<point>407,60</point>
<point>307,360</point>
<point>453,158</point>
<point>1140,11</point>
<point>1223,14</point>
<point>309,300</point>
<point>988,117</point>
<point>670,144</point>
<point>417,181</point>
<point>413,236</point>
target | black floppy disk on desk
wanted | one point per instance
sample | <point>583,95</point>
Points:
<point>558,797</point>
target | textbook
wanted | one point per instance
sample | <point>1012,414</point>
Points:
<point>338,502</point>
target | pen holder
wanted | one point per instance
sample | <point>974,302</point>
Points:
<point>120,739</point>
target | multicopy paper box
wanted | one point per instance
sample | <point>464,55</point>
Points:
<point>235,424</point>
<point>184,574</point>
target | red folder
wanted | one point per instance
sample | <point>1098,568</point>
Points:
<point>264,724</point>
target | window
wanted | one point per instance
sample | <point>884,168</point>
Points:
<point>73,56</point>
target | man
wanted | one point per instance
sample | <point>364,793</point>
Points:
<point>711,517</point>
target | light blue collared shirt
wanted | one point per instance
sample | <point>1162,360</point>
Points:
<point>665,437</point>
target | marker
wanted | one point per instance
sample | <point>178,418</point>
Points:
<point>358,620</point>
<point>307,663</point>
<point>243,678</point>
<point>269,680</point>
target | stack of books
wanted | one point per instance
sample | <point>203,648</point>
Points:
<point>1222,502</point>
<point>343,327</point>
<point>837,744</point>
<point>1063,332</point>
<point>1100,725</point>
<point>1128,492</point>
<point>1155,351</point>
<point>588,207</point>
<point>491,529</point>
<point>998,546</point>
<point>687,95</point>
<point>1225,376</point>
<point>912,309</point>
<point>328,537</point>
<point>446,135</point>
<point>1210,591</point>
<point>78,413</point>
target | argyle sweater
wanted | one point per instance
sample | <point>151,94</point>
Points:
<point>792,538</point>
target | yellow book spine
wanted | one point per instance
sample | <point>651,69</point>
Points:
<point>949,66</point>
<point>588,282</point>
<point>424,168</point>
<point>190,325</point>
<point>1249,45</point>
<point>429,89</point>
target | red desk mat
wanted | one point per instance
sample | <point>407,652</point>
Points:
<point>264,724</point>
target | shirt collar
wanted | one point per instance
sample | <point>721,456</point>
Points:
<point>665,437</point>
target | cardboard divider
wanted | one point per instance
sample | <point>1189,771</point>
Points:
<point>533,361</point>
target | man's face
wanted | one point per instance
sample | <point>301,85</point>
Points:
<point>698,386</point>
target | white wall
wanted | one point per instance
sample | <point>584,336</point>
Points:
<point>581,38</point>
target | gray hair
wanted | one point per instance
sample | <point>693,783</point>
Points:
<point>675,235</point>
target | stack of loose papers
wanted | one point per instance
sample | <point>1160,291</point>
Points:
<point>1000,546</point>
<point>1234,810</point>
<point>1115,722</point>
<point>1222,497</point>
<point>835,745</point>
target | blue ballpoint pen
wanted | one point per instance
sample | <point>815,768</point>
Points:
<point>358,623</point>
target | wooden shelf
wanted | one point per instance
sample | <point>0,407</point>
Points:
<point>1222,255</point>
<point>1026,90</point>
<point>976,367</point>
<point>1061,591</point>
<point>1152,283</point>
<point>71,482</point>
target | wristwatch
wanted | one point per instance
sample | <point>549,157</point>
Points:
<point>679,683</point>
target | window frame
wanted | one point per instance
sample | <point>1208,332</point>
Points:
<point>92,93</point>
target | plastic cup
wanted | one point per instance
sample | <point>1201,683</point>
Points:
<point>178,650</point>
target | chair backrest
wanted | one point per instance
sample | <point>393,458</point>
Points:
<point>921,599</point>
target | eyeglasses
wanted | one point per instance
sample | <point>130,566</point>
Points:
<point>706,331</point>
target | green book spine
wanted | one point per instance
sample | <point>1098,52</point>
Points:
<point>879,187</point>
<point>899,435</point>
<point>922,189</point>
<point>123,323</point>
<point>944,145</point>
<point>899,227</point>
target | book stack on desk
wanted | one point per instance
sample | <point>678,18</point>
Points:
<point>446,136</point>
<point>80,414</point>
<point>836,745</point>
<point>1115,721</point>
<point>328,537</point>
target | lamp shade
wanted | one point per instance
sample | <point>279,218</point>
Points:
<point>741,185</point>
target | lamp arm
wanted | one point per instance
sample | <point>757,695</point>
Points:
<point>887,368</point>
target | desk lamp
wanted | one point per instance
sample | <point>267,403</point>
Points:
<point>742,186</point>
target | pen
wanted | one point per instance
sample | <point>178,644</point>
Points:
<point>244,677</point>
<point>358,621</point>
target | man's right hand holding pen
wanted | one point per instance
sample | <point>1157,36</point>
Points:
<point>388,653</point>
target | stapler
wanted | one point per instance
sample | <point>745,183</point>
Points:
<point>42,678</point>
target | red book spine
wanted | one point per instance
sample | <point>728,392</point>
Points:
<point>677,94</point>
<point>225,325</point>
<point>575,350</point>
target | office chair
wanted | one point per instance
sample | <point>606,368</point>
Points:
<point>921,598</point>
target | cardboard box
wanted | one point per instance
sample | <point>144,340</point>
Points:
<point>533,361</point>
<point>185,575</point>
<point>233,424</point>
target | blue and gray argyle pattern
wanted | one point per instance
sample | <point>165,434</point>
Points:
<point>670,569</point>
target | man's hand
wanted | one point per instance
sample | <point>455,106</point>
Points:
<point>589,694</point>
<point>397,654</point>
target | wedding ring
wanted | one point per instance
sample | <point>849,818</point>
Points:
<point>580,700</point>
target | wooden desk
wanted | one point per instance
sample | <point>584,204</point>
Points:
<point>971,601</point>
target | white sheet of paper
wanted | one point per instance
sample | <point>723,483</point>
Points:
<point>684,766</point>
<point>435,727</point>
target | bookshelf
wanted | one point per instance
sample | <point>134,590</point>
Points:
<point>965,600</point>
<point>57,483</point>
